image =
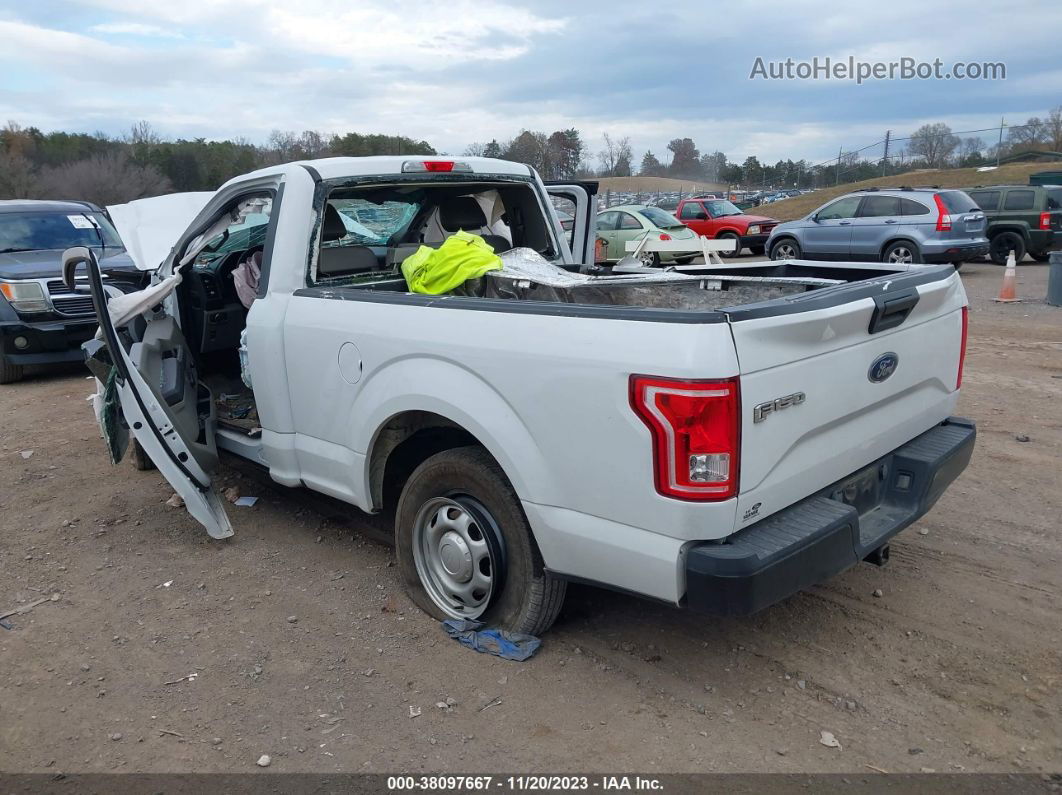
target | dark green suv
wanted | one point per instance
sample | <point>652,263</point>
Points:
<point>1021,218</point>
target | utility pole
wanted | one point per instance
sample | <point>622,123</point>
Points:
<point>885,157</point>
<point>840,151</point>
<point>999,146</point>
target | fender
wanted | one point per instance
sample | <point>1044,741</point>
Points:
<point>736,230</point>
<point>393,390</point>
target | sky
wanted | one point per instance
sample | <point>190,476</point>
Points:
<point>462,71</point>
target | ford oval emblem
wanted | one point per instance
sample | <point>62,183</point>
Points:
<point>883,367</point>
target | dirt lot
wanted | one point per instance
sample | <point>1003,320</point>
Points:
<point>167,651</point>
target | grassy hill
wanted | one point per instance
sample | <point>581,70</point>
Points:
<point>655,184</point>
<point>1013,173</point>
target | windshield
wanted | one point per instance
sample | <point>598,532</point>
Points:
<point>721,207</point>
<point>659,218</point>
<point>38,231</point>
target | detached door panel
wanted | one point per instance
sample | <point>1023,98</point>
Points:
<point>170,413</point>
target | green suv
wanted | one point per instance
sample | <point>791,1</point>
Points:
<point>1021,218</point>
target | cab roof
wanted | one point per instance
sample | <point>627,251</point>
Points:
<point>34,205</point>
<point>386,165</point>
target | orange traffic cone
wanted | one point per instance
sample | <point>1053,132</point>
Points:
<point>1008,293</point>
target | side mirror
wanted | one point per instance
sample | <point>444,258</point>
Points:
<point>73,257</point>
<point>814,218</point>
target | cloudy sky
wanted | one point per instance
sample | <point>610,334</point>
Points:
<point>467,70</point>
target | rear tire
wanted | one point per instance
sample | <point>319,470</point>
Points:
<point>10,373</point>
<point>736,252</point>
<point>758,251</point>
<point>458,515</point>
<point>902,253</point>
<point>786,248</point>
<point>1002,244</point>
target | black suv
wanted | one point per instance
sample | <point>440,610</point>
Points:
<point>42,321</point>
<point>1025,219</point>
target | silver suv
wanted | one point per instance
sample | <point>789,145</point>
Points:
<point>904,225</point>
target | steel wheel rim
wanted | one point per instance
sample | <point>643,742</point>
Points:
<point>901,255</point>
<point>457,556</point>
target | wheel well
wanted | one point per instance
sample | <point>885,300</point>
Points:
<point>782,238</point>
<point>403,444</point>
<point>896,240</point>
<point>1019,231</point>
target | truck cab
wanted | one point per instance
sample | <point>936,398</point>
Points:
<point>722,219</point>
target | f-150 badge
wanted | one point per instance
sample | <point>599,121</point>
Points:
<point>762,411</point>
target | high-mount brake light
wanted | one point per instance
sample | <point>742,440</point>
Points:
<point>695,429</point>
<point>434,166</point>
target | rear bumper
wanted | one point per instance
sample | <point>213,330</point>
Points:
<point>1043,240</point>
<point>823,535</point>
<point>45,342</point>
<point>960,253</point>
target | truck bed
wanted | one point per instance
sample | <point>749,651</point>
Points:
<point>784,286</point>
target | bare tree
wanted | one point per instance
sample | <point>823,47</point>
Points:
<point>616,157</point>
<point>142,133</point>
<point>16,176</point>
<point>475,150</point>
<point>111,178</point>
<point>1053,128</point>
<point>1030,135</point>
<point>934,143</point>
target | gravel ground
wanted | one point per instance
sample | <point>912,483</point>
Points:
<point>166,651</point>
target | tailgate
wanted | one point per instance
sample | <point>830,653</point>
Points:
<point>839,378</point>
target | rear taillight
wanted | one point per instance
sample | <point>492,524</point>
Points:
<point>943,218</point>
<point>962,346</point>
<point>695,427</point>
<point>665,236</point>
<point>1045,220</point>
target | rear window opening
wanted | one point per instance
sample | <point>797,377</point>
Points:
<point>958,201</point>
<point>368,230</point>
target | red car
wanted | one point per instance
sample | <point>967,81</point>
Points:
<point>719,218</point>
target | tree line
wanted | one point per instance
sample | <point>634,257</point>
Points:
<point>112,170</point>
<point>141,163</point>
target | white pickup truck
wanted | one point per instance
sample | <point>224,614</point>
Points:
<point>717,440</point>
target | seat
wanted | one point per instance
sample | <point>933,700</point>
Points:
<point>464,212</point>
<point>345,260</point>
<point>335,261</point>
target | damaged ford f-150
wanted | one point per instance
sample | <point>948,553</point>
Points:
<point>714,437</point>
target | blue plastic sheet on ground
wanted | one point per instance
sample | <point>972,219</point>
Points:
<point>507,645</point>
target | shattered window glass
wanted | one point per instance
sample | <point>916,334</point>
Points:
<point>372,224</point>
